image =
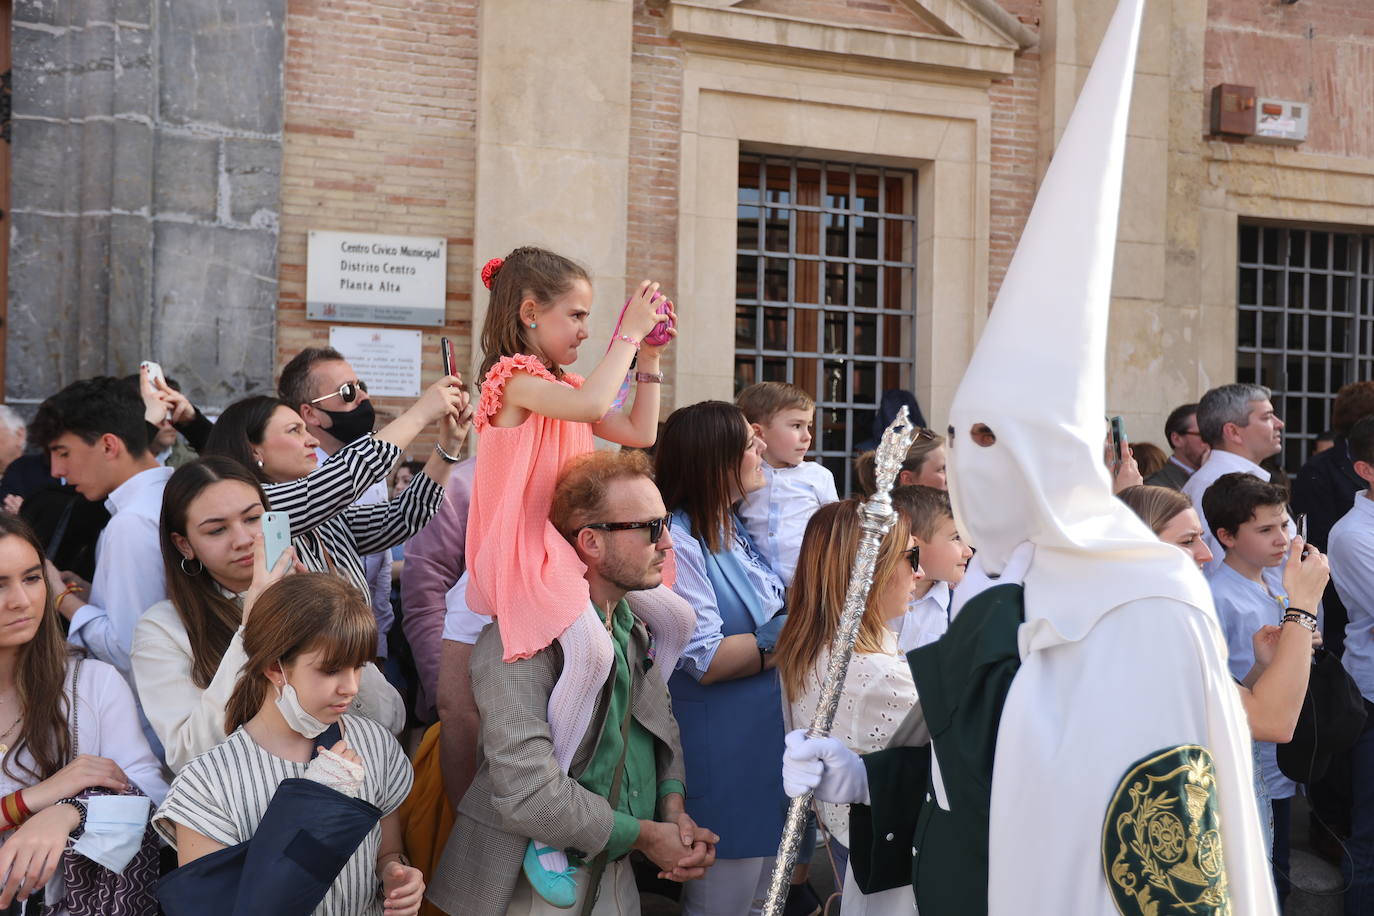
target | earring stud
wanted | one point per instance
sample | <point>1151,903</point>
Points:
<point>533,326</point>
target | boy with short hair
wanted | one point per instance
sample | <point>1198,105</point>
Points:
<point>944,557</point>
<point>94,433</point>
<point>776,514</point>
<point>1249,518</point>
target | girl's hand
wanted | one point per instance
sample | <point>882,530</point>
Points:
<point>347,753</point>
<point>1127,474</point>
<point>31,855</point>
<point>641,315</point>
<point>649,351</point>
<point>403,888</point>
<point>85,772</point>
<point>263,577</point>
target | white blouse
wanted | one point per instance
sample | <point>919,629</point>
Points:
<point>189,721</point>
<point>878,693</point>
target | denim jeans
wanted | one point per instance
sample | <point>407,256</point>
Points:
<point>1358,866</point>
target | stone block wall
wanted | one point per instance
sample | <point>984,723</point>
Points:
<point>380,118</point>
<point>147,150</point>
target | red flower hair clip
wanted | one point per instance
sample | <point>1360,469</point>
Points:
<point>489,271</point>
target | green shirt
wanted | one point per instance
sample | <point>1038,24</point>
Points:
<point>640,789</point>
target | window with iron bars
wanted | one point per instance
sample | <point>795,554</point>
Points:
<point>824,290</point>
<point>1305,323</point>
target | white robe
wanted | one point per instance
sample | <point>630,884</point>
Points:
<point>1150,675</point>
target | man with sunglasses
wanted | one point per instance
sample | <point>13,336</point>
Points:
<point>322,386</point>
<point>625,787</point>
<point>1190,449</point>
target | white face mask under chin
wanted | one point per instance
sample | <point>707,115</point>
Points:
<point>297,719</point>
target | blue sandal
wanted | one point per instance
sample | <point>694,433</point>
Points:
<point>557,888</point>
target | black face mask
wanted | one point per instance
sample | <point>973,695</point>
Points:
<point>351,425</point>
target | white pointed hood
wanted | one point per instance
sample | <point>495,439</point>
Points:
<point>1037,379</point>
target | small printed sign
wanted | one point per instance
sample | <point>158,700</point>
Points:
<point>376,279</point>
<point>386,359</point>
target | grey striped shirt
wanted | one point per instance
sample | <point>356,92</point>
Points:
<point>223,794</point>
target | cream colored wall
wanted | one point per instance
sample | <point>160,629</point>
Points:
<point>553,141</point>
<point>1173,329</point>
<point>866,99</point>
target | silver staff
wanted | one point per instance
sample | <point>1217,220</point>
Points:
<point>876,520</point>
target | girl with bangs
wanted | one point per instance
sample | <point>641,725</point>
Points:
<point>307,641</point>
<point>879,689</point>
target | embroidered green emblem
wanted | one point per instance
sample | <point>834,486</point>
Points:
<point>1161,842</point>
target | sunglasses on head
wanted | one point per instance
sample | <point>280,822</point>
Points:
<point>654,525</point>
<point>348,391</point>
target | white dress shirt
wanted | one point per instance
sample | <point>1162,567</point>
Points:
<point>775,515</point>
<point>1218,463</point>
<point>926,619</point>
<point>1243,606</point>
<point>1350,549</point>
<point>129,576</point>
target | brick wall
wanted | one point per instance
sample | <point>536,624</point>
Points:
<point>1014,129</point>
<point>655,129</point>
<point>1321,53</point>
<point>379,137</point>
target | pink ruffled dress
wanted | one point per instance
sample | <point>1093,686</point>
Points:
<point>520,569</point>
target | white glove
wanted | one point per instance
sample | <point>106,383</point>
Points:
<point>825,765</point>
<point>976,581</point>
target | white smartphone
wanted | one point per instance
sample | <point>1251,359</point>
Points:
<point>276,536</point>
<point>155,373</point>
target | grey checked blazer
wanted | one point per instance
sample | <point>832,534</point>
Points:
<point>519,791</point>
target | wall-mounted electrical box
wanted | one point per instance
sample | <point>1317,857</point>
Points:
<point>1280,121</point>
<point>1233,110</point>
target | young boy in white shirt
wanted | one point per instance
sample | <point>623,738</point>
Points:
<point>944,557</point>
<point>776,514</point>
<point>1249,517</point>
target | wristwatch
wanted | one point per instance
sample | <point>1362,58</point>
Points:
<point>80,807</point>
<point>652,377</point>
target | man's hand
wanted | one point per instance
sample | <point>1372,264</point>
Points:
<point>663,844</point>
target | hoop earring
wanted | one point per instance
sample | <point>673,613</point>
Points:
<point>199,566</point>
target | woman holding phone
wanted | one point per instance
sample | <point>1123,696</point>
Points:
<point>188,650</point>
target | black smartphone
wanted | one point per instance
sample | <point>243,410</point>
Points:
<point>1118,440</point>
<point>446,353</point>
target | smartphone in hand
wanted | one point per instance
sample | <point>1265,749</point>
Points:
<point>1118,441</point>
<point>446,353</point>
<point>155,373</point>
<point>276,536</point>
<point>1302,532</point>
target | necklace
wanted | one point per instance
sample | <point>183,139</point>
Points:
<point>4,746</point>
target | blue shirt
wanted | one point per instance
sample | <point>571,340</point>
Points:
<point>693,585</point>
<point>1351,553</point>
<point>776,514</point>
<point>1244,606</point>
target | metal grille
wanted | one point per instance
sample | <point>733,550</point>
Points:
<point>1305,322</point>
<point>824,290</point>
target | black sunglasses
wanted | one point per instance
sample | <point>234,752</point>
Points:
<point>913,556</point>
<point>348,391</point>
<point>655,527</point>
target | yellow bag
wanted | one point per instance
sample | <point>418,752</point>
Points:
<point>426,817</point>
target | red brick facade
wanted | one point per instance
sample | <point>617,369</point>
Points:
<point>380,137</point>
<point>1014,150</point>
<point>1319,53</point>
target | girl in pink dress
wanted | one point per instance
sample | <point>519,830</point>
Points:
<point>532,417</point>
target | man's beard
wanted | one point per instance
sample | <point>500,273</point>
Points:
<point>631,579</point>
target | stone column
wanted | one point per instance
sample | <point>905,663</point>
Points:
<point>147,160</point>
<point>553,144</point>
